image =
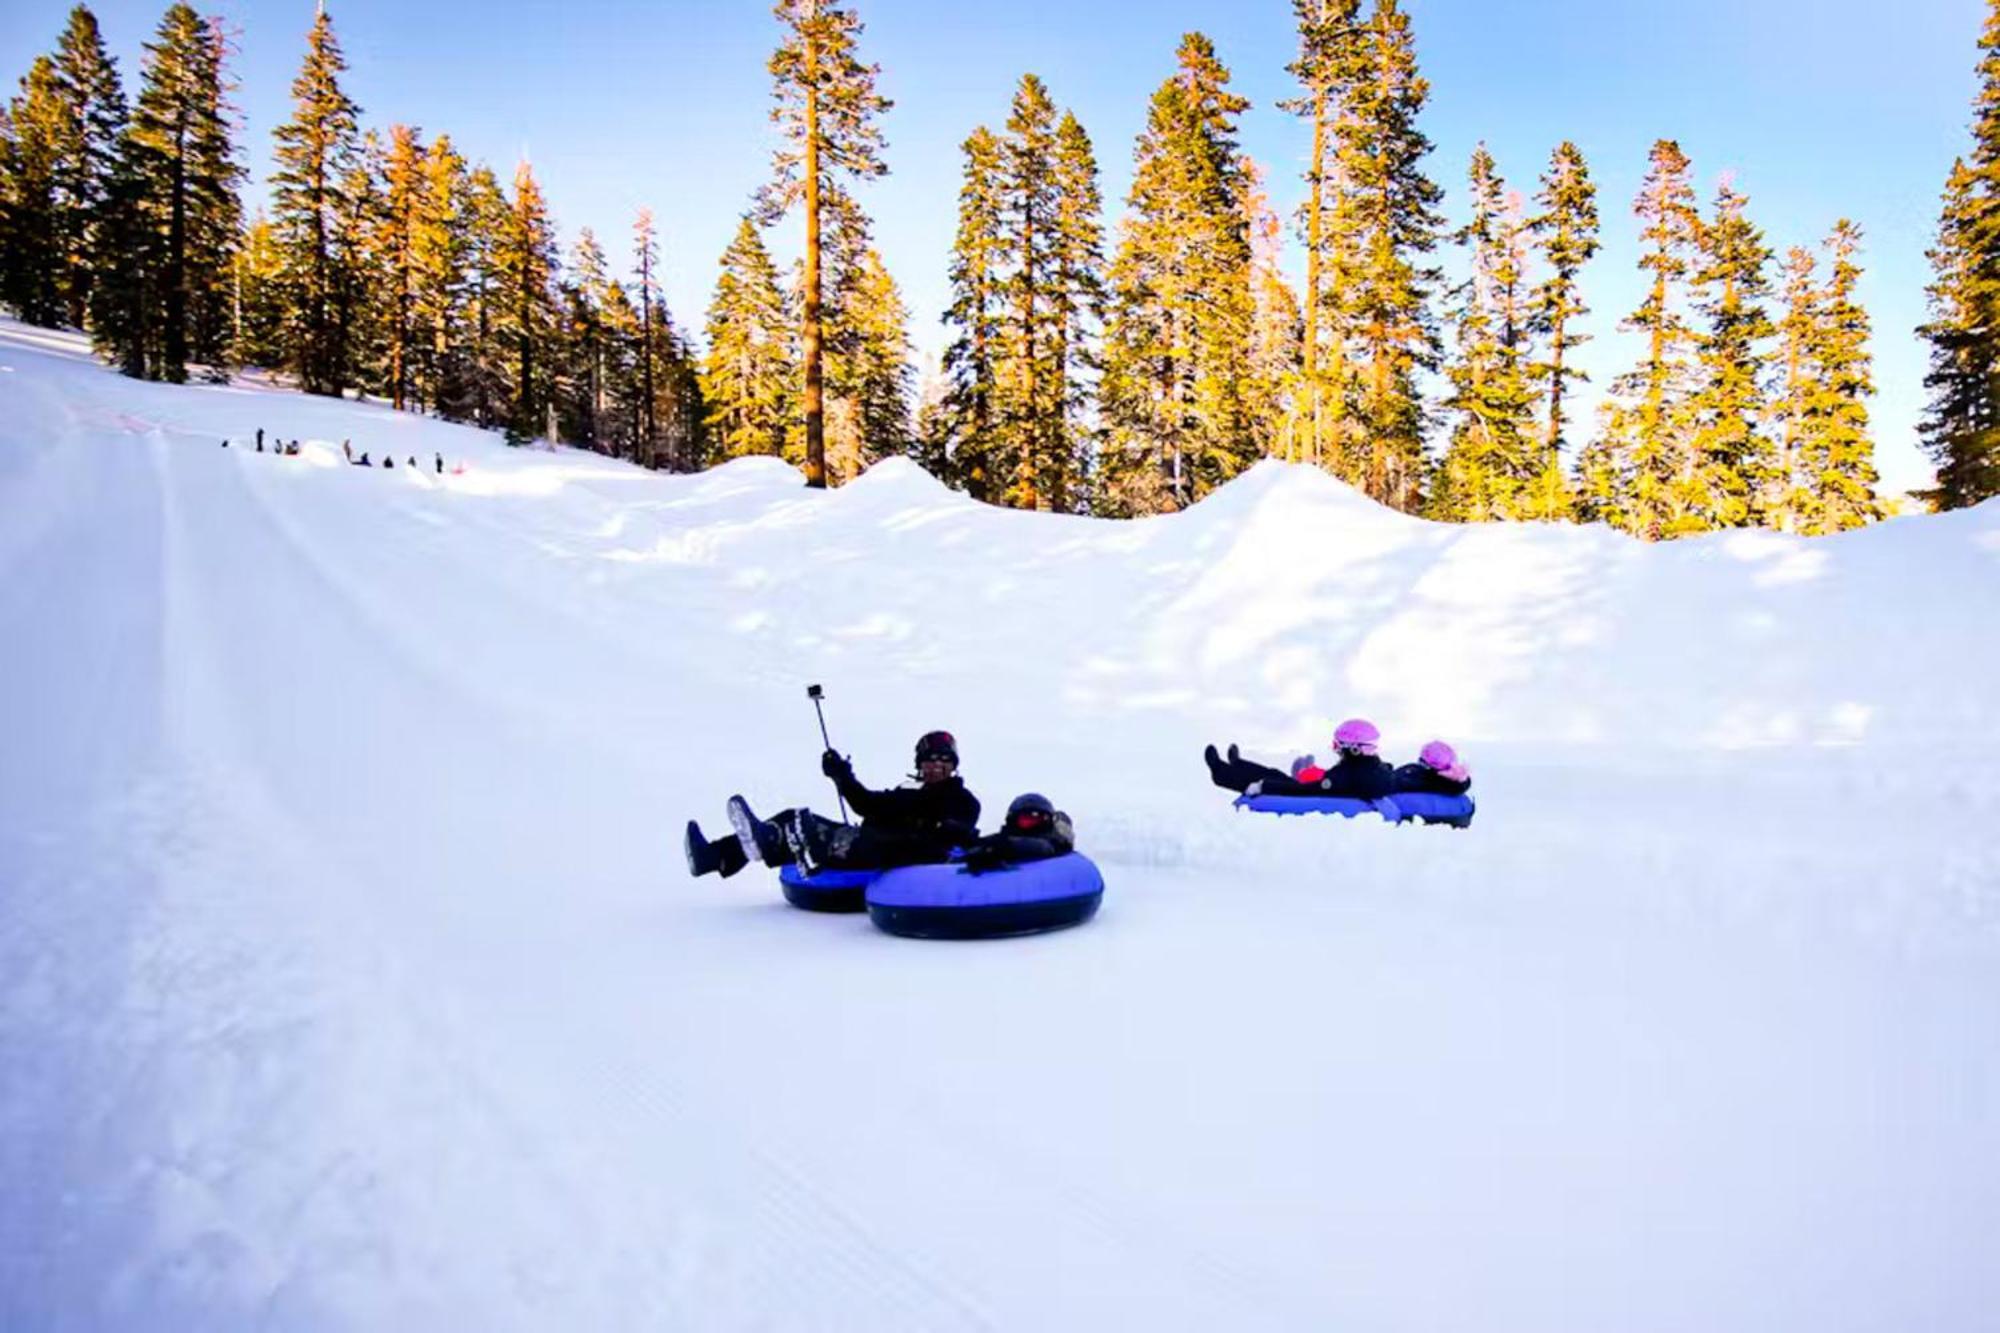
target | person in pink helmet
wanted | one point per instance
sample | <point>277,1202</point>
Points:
<point>1358,770</point>
<point>1438,770</point>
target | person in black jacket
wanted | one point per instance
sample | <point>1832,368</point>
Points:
<point>1438,771</point>
<point>1035,831</point>
<point>1358,771</point>
<point>900,826</point>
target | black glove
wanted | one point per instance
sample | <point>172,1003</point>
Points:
<point>835,765</point>
<point>979,860</point>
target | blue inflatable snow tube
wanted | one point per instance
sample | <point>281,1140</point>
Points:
<point>1430,808</point>
<point>1421,806</point>
<point>1347,807</point>
<point>829,890</point>
<point>947,902</point>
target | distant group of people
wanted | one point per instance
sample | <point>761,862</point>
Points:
<point>290,449</point>
<point>1357,771</point>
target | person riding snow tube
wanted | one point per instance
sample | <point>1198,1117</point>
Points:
<point>1025,879</point>
<point>1435,789</point>
<point>908,825</point>
<point>1358,771</point>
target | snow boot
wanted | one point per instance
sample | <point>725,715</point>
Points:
<point>724,857</point>
<point>758,836</point>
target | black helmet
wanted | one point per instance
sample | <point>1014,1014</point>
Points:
<point>1030,808</point>
<point>937,745</point>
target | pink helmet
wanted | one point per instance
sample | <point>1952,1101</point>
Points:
<point>1438,755</point>
<point>1441,758</point>
<point>1357,735</point>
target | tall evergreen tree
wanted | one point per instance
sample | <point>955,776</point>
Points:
<point>1178,337</point>
<point>1032,417</point>
<point>964,438</point>
<point>1648,425</point>
<point>317,152</point>
<point>646,255</point>
<point>259,297</point>
<point>1494,460</point>
<point>1961,427</point>
<point>1827,476</point>
<point>1567,230</point>
<point>488,220</point>
<point>405,202</point>
<point>1276,337</point>
<point>588,354</point>
<point>441,249</point>
<point>95,100</point>
<point>829,111</point>
<point>1332,61</point>
<point>1728,467</point>
<point>747,378</point>
<point>1077,300</point>
<point>172,215</point>
<point>525,307</point>
<point>1396,223</point>
<point>40,130</point>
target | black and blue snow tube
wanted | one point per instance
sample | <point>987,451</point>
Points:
<point>1429,808</point>
<point>1347,807</point>
<point>948,902</point>
<point>829,890</point>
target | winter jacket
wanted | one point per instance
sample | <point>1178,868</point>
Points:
<point>943,812</point>
<point>1008,848</point>
<point>1361,776</point>
<point>1424,778</point>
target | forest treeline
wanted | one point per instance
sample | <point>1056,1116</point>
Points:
<point>1117,370</point>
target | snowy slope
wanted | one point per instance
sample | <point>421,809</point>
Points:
<point>350,979</point>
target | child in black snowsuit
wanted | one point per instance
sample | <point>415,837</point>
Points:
<point>1035,831</point>
<point>899,827</point>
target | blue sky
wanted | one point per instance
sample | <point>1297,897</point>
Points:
<point>1817,109</point>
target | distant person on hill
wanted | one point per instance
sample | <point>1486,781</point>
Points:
<point>260,439</point>
<point>440,463</point>
<point>411,460</point>
<point>1358,770</point>
<point>225,441</point>
<point>900,826</point>
<point>1438,771</point>
<point>347,447</point>
<point>389,460</point>
<point>364,460</point>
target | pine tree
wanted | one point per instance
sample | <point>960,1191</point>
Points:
<point>1728,467</point>
<point>1494,461</point>
<point>964,433</point>
<point>747,379</point>
<point>361,291</point>
<point>1395,219</point>
<point>405,200</point>
<point>1332,61</point>
<point>1077,304</point>
<point>585,378</point>
<point>95,100</point>
<point>1648,425</point>
<point>40,129</point>
<point>317,151</point>
<point>1031,426</point>
<point>868,377</point>
<point>1567,230</point>
<point>259,297</point>
<point>829,110</point>
<point>173,217</point>
<point>524,307</point>
<point>487,218</point>
<point>441,251</point>
<point>1178,338</point>
<point>1827,476</point>
<point>646,253</point>
<point>1276,336</point>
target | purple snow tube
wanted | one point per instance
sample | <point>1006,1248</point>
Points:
<point>829,890</point>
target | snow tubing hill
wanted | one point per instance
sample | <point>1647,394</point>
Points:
<point>1422,807</point>
<point>947,902</point>
<point>829,890</point>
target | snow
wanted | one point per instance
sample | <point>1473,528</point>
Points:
<point>350,977</point>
